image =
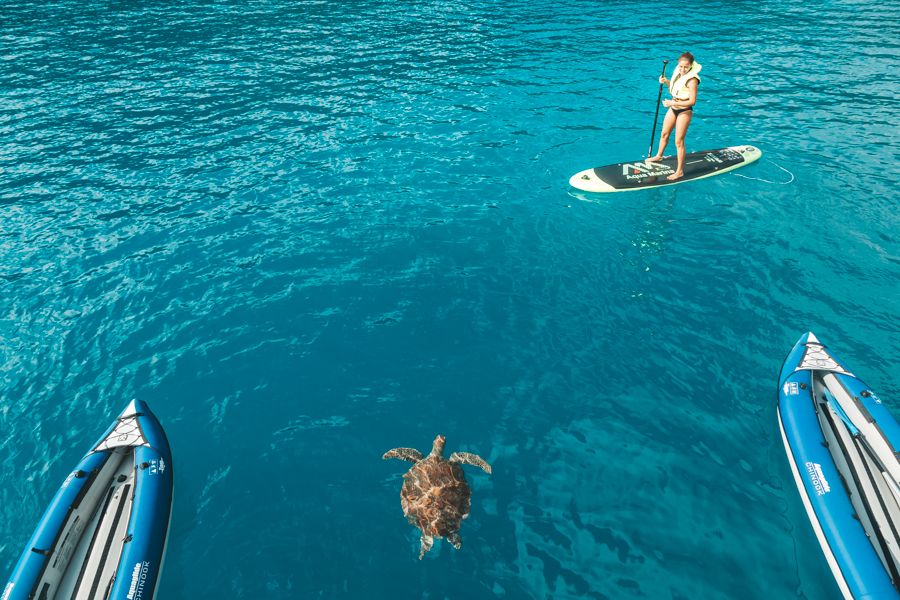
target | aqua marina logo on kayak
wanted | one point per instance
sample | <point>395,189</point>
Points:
<point>817,478</point>
<point>138,578</point>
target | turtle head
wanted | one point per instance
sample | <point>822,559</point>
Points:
<point>437,449</point>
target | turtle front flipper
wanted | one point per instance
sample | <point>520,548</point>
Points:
<point>467,458</point>
<point>410,454</point>
<point>427,543</point>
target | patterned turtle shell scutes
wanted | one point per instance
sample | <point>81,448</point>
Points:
<point>435,496</point>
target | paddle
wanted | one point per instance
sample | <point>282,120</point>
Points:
<point>656,116</point>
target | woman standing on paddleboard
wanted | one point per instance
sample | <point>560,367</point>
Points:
<point>683,87</point>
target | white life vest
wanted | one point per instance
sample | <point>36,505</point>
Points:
<point>678,83</point>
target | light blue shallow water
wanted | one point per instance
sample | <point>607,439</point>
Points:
<point>307,232</point>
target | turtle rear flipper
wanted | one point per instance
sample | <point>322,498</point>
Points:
<point>467,458</point>
<point>427,543</point>
<point>410,454</point>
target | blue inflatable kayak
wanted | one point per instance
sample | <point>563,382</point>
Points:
<point>104,534</point>
<point>841,443</point>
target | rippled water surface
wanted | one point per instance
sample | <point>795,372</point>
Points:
<point>308,232</point>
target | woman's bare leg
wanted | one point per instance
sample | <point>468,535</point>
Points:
<point>668,124</point>
<point>681,127</point>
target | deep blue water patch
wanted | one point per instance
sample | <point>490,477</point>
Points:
<point>308,232</point>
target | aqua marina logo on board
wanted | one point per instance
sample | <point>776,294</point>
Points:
<point>641,169</point>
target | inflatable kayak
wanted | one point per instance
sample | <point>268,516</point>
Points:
<point>841,443</point>
<point>104,534</point>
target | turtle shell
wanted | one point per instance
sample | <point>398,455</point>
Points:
<point>435,496</point>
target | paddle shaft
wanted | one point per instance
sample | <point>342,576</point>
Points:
<point>656,116</point>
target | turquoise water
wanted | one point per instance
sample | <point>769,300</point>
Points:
<point>308,232</point>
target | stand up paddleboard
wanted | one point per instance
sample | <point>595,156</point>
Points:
<point>103,536</point>
<point>842,443</point>
<point>639,175</point>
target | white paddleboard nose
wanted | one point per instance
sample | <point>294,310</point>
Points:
<point>750,153</point>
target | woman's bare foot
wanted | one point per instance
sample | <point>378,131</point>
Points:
<point>675,175</point>
<point>656,158</point>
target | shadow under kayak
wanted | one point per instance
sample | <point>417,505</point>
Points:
<point>841,443</point>
<point>104,533</point>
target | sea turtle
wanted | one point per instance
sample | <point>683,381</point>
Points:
<point>435,496</point>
